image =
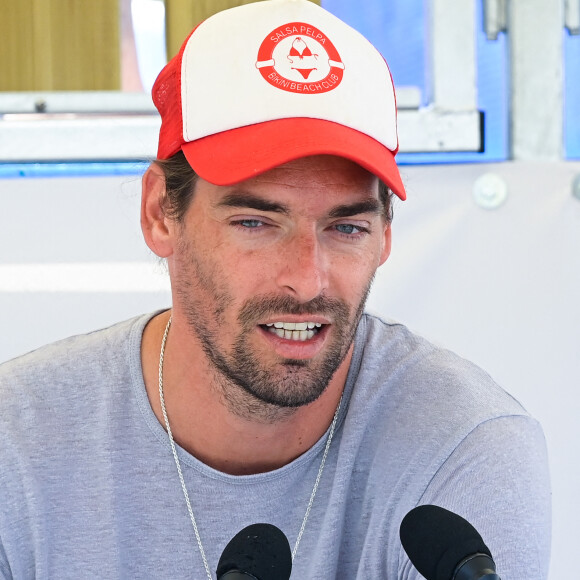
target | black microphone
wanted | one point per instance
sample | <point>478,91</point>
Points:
<point>258,552</point>
<point>444,546</point>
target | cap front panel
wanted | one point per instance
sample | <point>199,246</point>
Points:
<point>284,59</point>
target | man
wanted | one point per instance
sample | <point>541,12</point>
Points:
<point>264,394</point>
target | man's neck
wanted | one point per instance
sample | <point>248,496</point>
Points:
<point>204,424</point>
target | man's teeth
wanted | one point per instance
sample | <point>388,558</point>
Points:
<point>294,330</point>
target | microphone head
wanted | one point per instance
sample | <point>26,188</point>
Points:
<point>437,540</point>
<point>261,550</point>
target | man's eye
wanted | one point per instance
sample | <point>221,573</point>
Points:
<point>349,229</point>
<point>250,224</point>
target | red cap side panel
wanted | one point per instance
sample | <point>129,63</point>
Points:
<point>166,95</point>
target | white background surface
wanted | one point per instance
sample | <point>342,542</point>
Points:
<point>500,287</point>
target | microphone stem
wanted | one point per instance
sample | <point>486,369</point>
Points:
<point>476,567</point>
<point>237,575</point>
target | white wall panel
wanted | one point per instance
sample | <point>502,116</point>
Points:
<point>72,259</point>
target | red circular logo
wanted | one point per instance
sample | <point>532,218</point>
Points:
<point>299,58</point>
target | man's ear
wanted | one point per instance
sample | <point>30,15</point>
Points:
<point>156,226</point>
<point>387,245</point>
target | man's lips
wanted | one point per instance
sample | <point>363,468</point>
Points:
<point>299,331</point>
<point>297,343</point>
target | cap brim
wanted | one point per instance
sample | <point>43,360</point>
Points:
<point>233,156</point>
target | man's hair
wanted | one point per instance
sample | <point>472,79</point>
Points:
<point>180,180</point>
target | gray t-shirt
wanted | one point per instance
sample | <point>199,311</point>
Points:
<point>89,487</point>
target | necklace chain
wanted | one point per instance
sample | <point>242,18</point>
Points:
<point>180,473</point>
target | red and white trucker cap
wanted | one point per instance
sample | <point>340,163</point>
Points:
<point>265,83</point>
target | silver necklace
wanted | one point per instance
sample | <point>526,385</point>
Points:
<point>180,473</point>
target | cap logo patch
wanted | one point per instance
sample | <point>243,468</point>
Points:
<point>299,58</point>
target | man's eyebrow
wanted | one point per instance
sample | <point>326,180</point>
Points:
<point>370,205</point>
<point>250,201</point>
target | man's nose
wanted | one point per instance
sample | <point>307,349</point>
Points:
<point>302,272</point>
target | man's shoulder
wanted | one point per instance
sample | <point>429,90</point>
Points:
<point>419,372</point>
<point>415,405</point>
<point>70,361</point>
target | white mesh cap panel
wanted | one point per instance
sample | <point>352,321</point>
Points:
<point>282,59</point>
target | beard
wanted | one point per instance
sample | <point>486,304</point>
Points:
<point>261,388</point>
<point>289,383</point>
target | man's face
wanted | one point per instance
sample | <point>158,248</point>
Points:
<point>272,274</point>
